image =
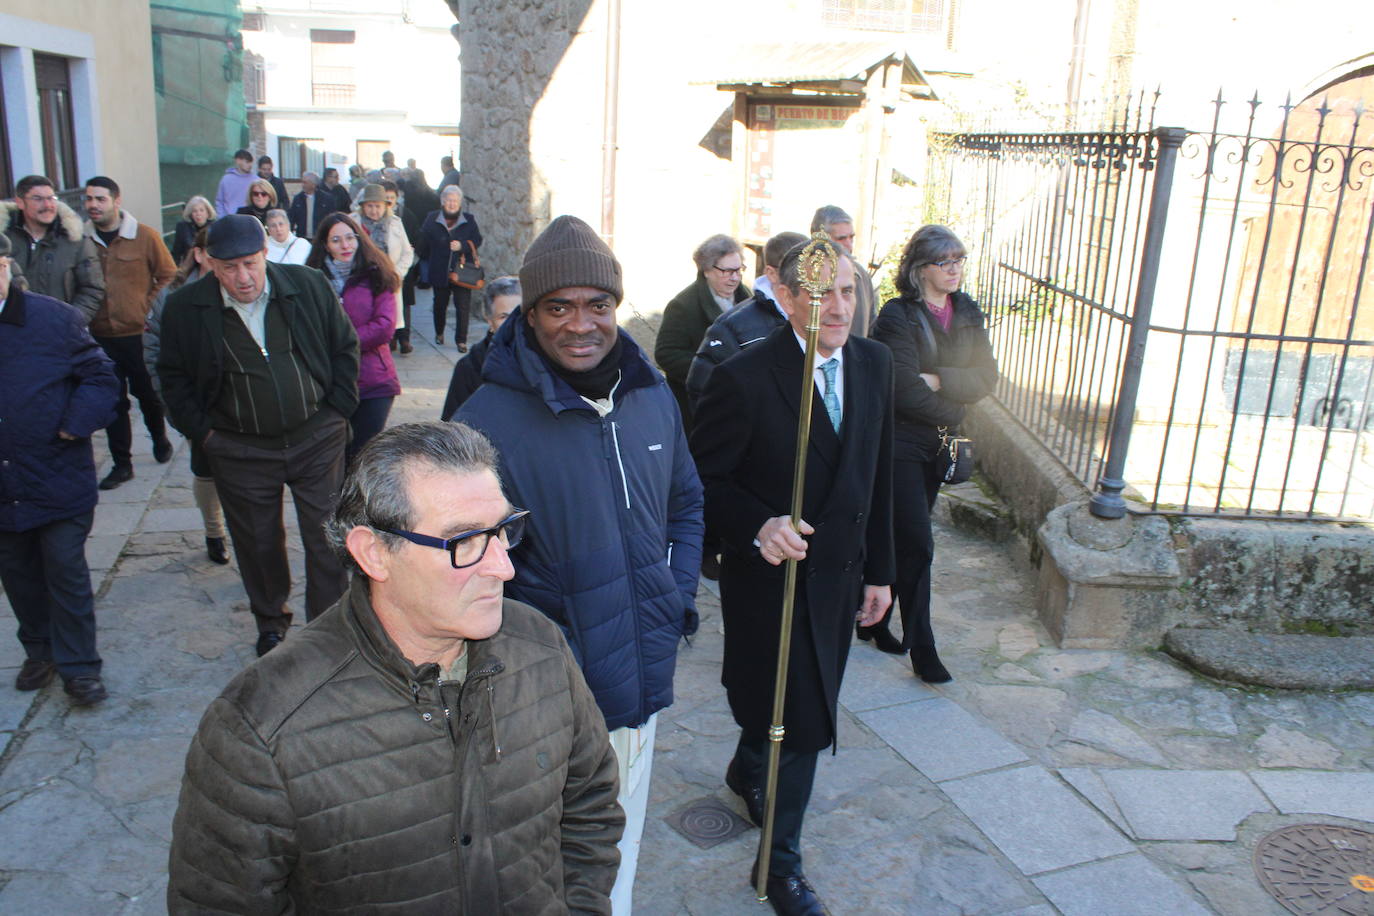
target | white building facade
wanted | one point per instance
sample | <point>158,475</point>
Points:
<point>331,83</point>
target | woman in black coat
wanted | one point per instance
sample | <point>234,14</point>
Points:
<point>449,236</point>
<point>942,362</point>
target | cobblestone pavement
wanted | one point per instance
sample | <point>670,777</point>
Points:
<point>1039,781</point>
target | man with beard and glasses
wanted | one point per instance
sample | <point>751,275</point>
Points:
<point>591,443</point>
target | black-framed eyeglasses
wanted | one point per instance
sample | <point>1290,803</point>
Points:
<point>949,262</point>
<point>730,271</point>
<point>468,549</point>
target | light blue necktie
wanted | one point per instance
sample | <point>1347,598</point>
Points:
<point>832,402</point>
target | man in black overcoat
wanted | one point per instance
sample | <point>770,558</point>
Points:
<point>744,444</point>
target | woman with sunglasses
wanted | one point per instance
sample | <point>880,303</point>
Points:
<point>942,362</point>
<point>262,198</point>
<point>366,284</point>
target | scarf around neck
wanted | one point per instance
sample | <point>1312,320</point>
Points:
<point>338,273</point>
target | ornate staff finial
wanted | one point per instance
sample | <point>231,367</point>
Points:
<point>818,255</point>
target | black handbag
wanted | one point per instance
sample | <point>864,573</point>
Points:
<point>468,276</point>
<point>955,458</point>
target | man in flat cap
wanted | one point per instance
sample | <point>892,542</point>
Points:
<point>259,365</point>
<point>591,443</point>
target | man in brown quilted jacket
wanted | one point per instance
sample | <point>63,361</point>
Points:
<point>425,746</point>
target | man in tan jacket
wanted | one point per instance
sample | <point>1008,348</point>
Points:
<point>136,265</point>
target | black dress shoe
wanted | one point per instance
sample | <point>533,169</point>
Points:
<point>754,801</point>
<point>793,895</point>
<point>217,550</point>
<point>926,663</point>
<point>881,637</point>
<point>85,690</point>
<point>267,642</point>
<point>439,339</point>
<point>35,674</point>
<point>406,347</point>
<point>118,474</point>
<point>462,348</point>
<point>162,451</point>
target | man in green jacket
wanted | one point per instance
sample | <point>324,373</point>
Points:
<point>426,746</point>
<point>259,367</point>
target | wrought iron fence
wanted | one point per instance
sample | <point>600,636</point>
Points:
<point>1184,317</point>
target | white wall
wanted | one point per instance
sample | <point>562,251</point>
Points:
<point>406,75</point>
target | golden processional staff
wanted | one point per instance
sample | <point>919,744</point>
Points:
<point>816,266</point>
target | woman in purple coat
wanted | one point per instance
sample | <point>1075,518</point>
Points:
<point>366,284</point>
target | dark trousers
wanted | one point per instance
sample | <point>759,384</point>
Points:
<point>249,481</point>
<point>132,372</point>
<point>49,586</point>
<point>796,773</point>
<point>367,421</point>
<point>461,297</point>
<point>915,484</point>
<point>407,300</point>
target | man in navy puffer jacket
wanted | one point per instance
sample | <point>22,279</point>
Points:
<point>57,387</point>
<point>591,443</point>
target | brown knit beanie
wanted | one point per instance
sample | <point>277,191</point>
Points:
<point>568,253</point>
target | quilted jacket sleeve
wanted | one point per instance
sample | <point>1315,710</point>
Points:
<point>686,528</point>
<point>92,403</point>
<point>233,837</point>
<point>89,293</point>
<point>593,820</point>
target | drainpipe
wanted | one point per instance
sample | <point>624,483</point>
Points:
<point>610,122</point>
<point>1077,63</point>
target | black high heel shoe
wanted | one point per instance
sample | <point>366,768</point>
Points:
<point>925,661</point>
<point>881,637</point>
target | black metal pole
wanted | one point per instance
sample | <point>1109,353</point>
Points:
<point>1107,501</point>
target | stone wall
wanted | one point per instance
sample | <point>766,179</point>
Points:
<point>1125,583</point>
<point>510,52</point>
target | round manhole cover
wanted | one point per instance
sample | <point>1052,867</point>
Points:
<point>1319,869</point>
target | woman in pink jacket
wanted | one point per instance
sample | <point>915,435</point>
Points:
<point>366,284</point>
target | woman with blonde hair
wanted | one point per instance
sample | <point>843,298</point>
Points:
<point>262,197</point>
<point>198,214</point>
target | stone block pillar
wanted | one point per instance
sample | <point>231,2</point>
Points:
<point>1107,583</point>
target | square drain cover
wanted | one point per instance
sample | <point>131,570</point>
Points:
<point>707,822</point>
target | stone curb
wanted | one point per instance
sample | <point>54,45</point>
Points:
<point>1288,662</point>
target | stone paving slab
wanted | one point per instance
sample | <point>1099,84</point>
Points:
<point>1087,781</point>
<point>173,520</point>
<point>1034,820</point>
<point>1129,885</point>
<point>1183,804</point>
<point>1307,792</point>
<point>874,679</point>
<point>941,739</point>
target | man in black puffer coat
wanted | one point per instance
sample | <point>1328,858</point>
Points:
<point>426,746</point>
